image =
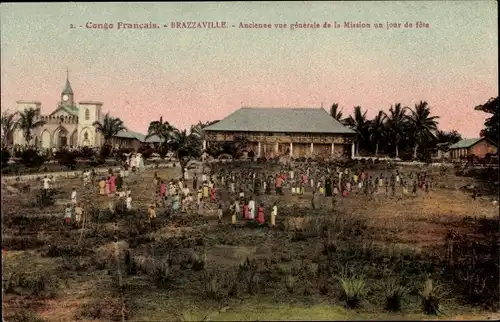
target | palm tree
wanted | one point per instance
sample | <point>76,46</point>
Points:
<point>377,129</point>
<point>359,124</point>
<point>186,146</point>
<point>423,125</point>
<point>448,137</point>
<point>28,121</point>
<point>109,127</point>
<point>161,129</point>
<point>397,125</point>
<point>335,113</point>
<point>8,124</point>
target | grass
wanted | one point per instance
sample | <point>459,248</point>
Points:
<point>191,268</point>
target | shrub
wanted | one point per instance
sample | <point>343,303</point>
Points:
<point>5,157</point>
<point>354,289</point>
<point>248,273</point>
<point>66,158</point>
<point>395,293</point>
<point>86,153</point>
<point>35,283</point>
<point>96,161</point>
<point>31,158</point>
<point>161,273</point>
<point>430,299</point>
<point>105,151</point>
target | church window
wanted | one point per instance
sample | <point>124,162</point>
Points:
<point>87,114</point>
<point>85,136</point>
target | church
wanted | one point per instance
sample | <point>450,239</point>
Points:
<point>69,125</point>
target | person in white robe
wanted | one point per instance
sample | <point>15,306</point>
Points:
<point>251,209</point>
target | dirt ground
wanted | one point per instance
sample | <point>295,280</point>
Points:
<point>188,267</point>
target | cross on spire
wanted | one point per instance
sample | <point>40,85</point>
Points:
<point>67,73</point>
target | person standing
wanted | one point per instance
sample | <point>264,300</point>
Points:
<point>195,182</point>
<point>274,213</point>
<point>220,213</point>
<point>251,209</point>
<point>260,214</point>
<point>68,213</point>
<point>73,197</point>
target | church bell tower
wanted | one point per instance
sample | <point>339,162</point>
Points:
<point>67,93</point>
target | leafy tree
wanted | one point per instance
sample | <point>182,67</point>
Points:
<point>105,151</point>
<point>491,129</point>
<point>146,151</point>
<point>109,127</point>
<point>377,129</point>
<point>359,123</point>
<point>8,124</point>
<point>447,137</point>
<point>335,113</point>
<point>162,129</point>
<point>28,121</point>
<point>397,124</point>
<point>186,146</point>
<point>421,125</point>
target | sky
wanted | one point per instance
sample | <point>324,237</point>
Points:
<point>191,75</point>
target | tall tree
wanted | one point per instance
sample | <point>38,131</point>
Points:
<point>397,125</point>
<point>186,146</point>
<point>422,125</point>
<point>109,127</point>
<point>377,129</point>
<point>359,123</point>
<point>448,137</point>
<point>8,124</point>
<point>162,129</point>
<point>491,129</point>
<point>335,113</point>
<point>29,121</point>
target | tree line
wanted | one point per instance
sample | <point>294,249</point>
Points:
<point>402,130</point>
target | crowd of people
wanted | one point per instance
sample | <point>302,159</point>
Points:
<point>236,191</point>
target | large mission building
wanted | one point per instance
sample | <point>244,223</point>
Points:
<point>271,132</point>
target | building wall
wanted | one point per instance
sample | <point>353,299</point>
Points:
<point>322,143</point>
<point>482,148</point>
<point>88,113</point>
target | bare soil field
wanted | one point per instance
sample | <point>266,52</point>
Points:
<point>429,256</point>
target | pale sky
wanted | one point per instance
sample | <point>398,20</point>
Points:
<point>187,75</point>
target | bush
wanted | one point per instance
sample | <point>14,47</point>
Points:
<point>105,151</point>
<point>31,158</point>
<point>5,157</point>
<point>96,161</point>
<point>66,158</point>
<point>354,289</point>
<point>430,300</point>
<point>395,293</point>
<point>86,153</point>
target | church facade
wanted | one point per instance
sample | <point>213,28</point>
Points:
<point>69,125</point>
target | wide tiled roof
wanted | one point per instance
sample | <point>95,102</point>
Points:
<point>466,143</point>
<point>297,120</point>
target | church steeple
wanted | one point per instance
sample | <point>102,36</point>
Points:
<point>67,89</point>
<point>67,93</point>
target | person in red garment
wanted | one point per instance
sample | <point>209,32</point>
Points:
<point>260,214</point>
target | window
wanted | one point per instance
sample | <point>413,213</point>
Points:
<point>85,136</point>
<point>87,114</point>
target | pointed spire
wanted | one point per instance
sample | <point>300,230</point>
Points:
<point>67,87</point>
